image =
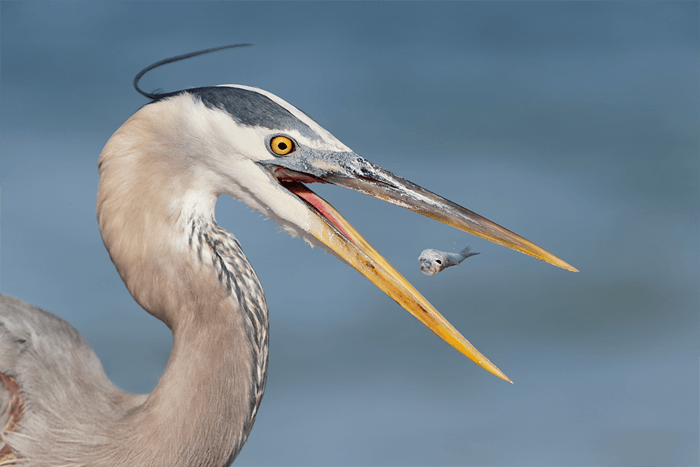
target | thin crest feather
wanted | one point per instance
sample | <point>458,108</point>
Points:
<point>156,95</point>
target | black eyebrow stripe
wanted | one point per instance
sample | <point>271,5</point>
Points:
<point>252,108</point>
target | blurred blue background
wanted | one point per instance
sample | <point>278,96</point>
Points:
<point>572,124</point>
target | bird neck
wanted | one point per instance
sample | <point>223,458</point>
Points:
<point>158,226</point>
<point>206,401</point>
<point>204,405</point>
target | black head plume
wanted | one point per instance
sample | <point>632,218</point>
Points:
<point>155,96</point>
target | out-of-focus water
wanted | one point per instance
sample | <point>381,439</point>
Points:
<point>572,124</point>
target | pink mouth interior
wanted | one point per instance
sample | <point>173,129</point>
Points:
<point>321,205</point>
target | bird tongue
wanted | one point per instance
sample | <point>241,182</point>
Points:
<point>283,174</point>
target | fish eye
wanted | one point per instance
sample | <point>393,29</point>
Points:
<point>281,145</point>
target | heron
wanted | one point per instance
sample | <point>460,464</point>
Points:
<point>160,175</point>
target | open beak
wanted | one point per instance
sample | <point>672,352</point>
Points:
<point>352,171</point>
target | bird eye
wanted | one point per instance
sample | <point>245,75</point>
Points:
<point>281,145</point>
<point>438,261</point>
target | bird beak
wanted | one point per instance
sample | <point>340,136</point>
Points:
<point>352,171</point>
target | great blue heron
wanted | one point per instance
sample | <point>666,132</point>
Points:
<point>160,176</point>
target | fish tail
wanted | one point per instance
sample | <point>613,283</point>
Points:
<point>467,252</point>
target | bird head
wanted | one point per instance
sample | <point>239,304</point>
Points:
<point>264,151</point>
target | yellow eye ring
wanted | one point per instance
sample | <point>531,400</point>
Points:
<point>281,145</point>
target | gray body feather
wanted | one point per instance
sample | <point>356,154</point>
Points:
<point>58,372</point>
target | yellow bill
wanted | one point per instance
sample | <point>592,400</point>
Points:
<point>338,235</point>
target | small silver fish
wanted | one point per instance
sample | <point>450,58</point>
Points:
<point>434,261</point>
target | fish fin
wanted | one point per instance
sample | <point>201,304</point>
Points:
<point>467,252</point>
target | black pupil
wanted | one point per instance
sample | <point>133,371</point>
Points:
<point>438,261</point>
<point>282,146</point>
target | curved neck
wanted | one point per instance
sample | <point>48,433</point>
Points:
<point>204,405</point>
<point>180,266</point>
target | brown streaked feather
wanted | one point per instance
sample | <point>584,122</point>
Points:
<point>11,415</point>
